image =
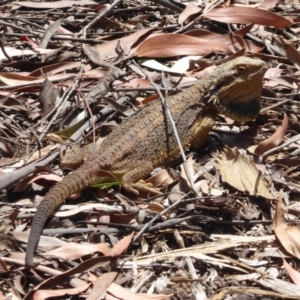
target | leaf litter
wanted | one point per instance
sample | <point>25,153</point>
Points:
<point>64,61</point>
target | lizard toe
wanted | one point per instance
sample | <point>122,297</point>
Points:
<point>130,189</point>
<point>146,188</point>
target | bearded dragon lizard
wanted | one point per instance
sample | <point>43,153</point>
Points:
<point>146,140</point>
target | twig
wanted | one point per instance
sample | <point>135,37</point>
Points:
<point>166,3</point>
<point>144,89</point>
<point>102,14</point>
<point>3,50</point>
<point>146,226</point>
<point>90,113</point>
<point>23,29</point>
<point>2,43</point>
<point>64,99</point>
<point>102,114</point>
<point>39,144</point>
<point>10,178</point>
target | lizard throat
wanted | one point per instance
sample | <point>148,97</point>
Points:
<point>241,111</point>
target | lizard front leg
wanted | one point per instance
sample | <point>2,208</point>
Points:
<point>202,130</point>
<point>75,155</point>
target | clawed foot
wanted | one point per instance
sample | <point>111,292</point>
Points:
<point>141,187</point>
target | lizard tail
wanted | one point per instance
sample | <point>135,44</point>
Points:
<point>46,207</point>
<point>57,195</point>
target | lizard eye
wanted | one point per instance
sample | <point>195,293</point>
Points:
<point>241,69</point>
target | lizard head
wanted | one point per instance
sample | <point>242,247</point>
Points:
<point>238,89</point>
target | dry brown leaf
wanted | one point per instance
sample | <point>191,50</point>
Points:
<point>121,245</point>
<point>61,30</point>
<point>292,54</point>
<point>74,251</point>
<point>189,163</point>
<point>168,45</point>
<point>241,173</point>
<point>49,32</point>
<point>54,4</point>
<point>46,243</point>
<point>283,81</point>
<point>162,178</point>
<point>30,42</point>
<point>93,54</point>
<point>45,294</point>
<point>20,52</point>
<point>253,47</point>
<point>11,78</point>
<point>124,294</point>
<point>100,286</point>
<point>123,218</point>
<point>275,139</point>
<point>47,97</point>
<point>157,208</point>
<point>229,39</point>
<point>60,277</point>
<point>285,289</point>
<point>5,148</point>
<point>95,73</point>
<point>5,224</point>
<point>87,207</point>
<point>267,4</point>
<point>23,185</point>
<point>107,50</point>
<point>295,276</point>
<point>15,80</point>
<point>246,15</point>
<point>208,35</point>
<point>287,235</point>
<point>139,19</point>
<point>55,68</point>
<point>190,10</point>
<point>135,82</point>
<point>273,72</point>
<point>7,243</point>
<point>202,73</point>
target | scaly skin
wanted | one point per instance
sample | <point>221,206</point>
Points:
<point>146,141</point>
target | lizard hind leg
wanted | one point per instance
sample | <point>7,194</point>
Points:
<point>132,179</point>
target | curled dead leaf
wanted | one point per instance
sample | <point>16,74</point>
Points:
<point>241,173</point>
<point>275,139</point>
<point>288,236</point>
